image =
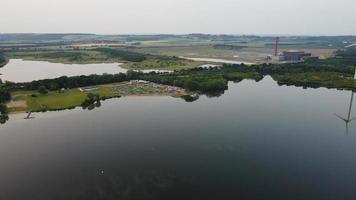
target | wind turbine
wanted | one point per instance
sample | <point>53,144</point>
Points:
<point>349,119</point>
<point>29,115</point>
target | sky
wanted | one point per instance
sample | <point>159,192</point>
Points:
<point>258,17</point>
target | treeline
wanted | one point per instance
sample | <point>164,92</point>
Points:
<point>334,72</point>
<point>70,55</point>
<point>71,82</point>
<point>122,54</point>
<point>4,97</point>
<point>328,65</point>
<point>229,47</point>
<point>347,54</point>
<point>2,60</point>
<point>316,80</point>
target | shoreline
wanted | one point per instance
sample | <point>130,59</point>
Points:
<point>24,101</point>
<point>78,106</point>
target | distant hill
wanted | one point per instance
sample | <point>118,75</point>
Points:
<point>32,37</point>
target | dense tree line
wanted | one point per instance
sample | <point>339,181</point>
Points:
<point>347,54</point>
<point>327,65</point>
<point>336,72</point>
<point>4,97</point>
<point>71,82</point>
<point>123,55</point>
<point>2,60</point>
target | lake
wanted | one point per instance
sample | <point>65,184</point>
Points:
<point>256,141</point>
<point>18,70</point>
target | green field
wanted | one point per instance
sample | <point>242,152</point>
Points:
<point>50,101</point>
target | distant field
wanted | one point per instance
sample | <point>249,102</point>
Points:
<point>249,54</point>
<point>80,48</point>
<point>65,56</point>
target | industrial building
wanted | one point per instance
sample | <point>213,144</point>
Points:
<point>294,56</point>
<point>289,55</point>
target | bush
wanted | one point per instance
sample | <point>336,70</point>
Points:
<point>42,90</point>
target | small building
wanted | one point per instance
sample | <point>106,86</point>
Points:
<point>138,82</point>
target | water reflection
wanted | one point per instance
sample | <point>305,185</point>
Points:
<point>163,148</point>
<point>348,119</point>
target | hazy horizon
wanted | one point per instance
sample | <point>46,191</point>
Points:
<point>235,17</point>
<point>188,33</point>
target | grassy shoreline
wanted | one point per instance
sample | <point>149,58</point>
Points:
<point>24,101</point>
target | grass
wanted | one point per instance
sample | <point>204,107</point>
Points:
<point>50,101</point>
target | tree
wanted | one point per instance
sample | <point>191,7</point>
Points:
<point>3,114</point>
<point>42,90</point>
<point>92,101</point>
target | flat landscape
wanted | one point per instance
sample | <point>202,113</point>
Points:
<point>177,100</point>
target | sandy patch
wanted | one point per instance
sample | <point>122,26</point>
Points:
<point>17,104</point>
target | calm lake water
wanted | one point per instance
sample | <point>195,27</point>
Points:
<point>18,70</point>
<point>257,141</point>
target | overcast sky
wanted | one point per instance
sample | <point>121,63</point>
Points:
<point>293,17</point>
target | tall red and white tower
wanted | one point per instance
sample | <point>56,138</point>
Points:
<point>276,47</point>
